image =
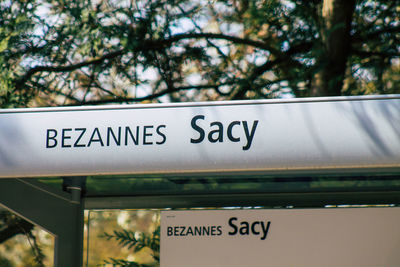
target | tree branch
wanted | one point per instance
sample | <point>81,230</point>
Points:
<point>234,39</point>
<point>299,48</point>
<point>359,38</point>
<point>66,68</point>
<point>365,54</point>
<point>148,97</point>
<point>13,228</point>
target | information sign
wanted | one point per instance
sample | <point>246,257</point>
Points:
<point>356,134</point>
<point>281,237</point>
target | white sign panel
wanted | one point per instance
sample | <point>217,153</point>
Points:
<point>255,136</point>
<point>259,238</point>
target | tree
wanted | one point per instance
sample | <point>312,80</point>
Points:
<point>95,52</point>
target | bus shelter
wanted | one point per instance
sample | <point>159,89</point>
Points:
<point>311,152</point>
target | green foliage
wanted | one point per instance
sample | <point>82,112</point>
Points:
<point>136,241</point>
<point>124,263</point>
<point>5,263</point>
<point>92,52</point>
<point>15,32</point>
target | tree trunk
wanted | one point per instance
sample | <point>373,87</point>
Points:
<point>335,25</point>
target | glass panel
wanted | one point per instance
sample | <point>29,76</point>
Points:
<point>121,236</point>
<point>138,186</point>
<point>22,244</point>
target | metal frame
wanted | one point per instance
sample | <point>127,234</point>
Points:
<point>58,212</point>
<point>61,213</point>
<point>206,103</point>
<point>295,199</point>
